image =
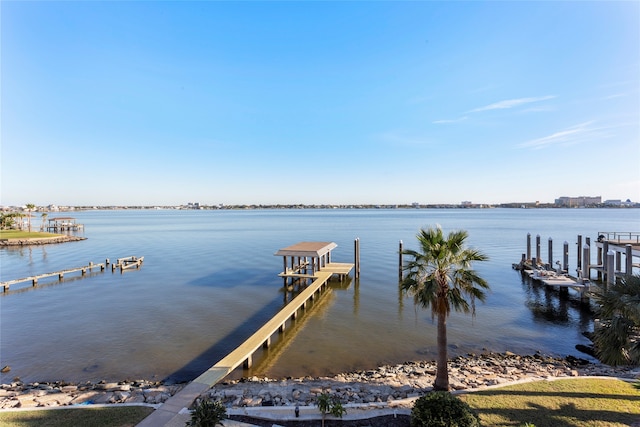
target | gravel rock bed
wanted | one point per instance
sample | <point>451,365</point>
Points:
<point>383,385</point>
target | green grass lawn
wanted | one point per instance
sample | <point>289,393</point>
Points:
<point>117,416</point>
<point>19,234</point>
<point>564,403</point>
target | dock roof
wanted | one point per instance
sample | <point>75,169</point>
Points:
<point>308,249</point>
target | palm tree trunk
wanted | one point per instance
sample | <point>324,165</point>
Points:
<point>442,370</point>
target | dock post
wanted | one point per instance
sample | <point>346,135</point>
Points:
<point>611,274</point>
<point>618,261</point>
<point>247,363</point>
<point>400,261</point>
<point>628,260</point>
<point>538,247</point>
<point>565,257</point>
<point>528,246</point>
<point>534,263</point>
<point>550,250</point>
<point>579,252</point>
<point>34,282</point>
<point>356,255</point>
<point>585,265</point>
<point>267,343</point>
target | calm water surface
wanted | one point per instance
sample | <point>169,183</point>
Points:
<point>209,280</point>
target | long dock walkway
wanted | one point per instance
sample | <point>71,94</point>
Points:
<point>171,413</point>
<point>122,263</point>
<point>34,279</point>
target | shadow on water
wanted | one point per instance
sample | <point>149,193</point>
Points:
<point>236,337</point>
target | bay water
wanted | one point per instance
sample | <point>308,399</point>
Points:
<point>209,280</point>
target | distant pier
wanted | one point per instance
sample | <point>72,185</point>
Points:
<point>617,255</point>
<point>122,263</point>
<point>63,223</point>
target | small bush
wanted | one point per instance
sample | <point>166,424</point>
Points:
<point>207,413</point>
<point>441,409</point>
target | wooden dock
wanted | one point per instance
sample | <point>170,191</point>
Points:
<point>164,415</point>
<point>122,263</point>
<point>550,278</point>
<point>60,274</point>
<point>128,262</point>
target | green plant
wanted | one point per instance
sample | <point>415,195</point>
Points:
<point>207,413</point>
<point>617,340</point>
<point>328,404</point>
<point>441,409</point>
<point>440,277</point>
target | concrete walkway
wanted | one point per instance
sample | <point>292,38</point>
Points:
<point>277,414</point>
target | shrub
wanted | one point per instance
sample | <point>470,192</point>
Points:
<point>330,405</point>
<point>441,409</point>
<point>207,413</point>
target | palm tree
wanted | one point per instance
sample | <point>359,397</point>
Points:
<point>30,207</point>
<point>440,276</point>
<point>44,221</point>
<point>617,340</point>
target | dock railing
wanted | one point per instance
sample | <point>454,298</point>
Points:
<point>620,236</point>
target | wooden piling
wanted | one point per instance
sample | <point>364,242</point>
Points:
<point>528,246</point>
<point>628,252</point>
<point>550,252</point>
<point>565,256</point>
<point>538,247</point>
<point>585,265</point>
<point>611,274</point>
<point>400,261</point>
<point>356,256</point>
<point>579,252</point>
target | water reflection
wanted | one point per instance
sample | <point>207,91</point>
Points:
<point>559,306</point>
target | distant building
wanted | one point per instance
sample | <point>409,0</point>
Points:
<point>466,204</point>
<point>578,202</point>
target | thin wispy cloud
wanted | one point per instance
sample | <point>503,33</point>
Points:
<point>571,135</point>
<point>447,121</point>
<point>511,103</point>
<point>397,138</point>
<point>615,95</point>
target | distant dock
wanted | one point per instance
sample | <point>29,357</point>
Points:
<point>617,255</point>
<point>122,263</point>
<point>63,223</point>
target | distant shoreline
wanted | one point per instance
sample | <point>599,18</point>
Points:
<point>40,240</point>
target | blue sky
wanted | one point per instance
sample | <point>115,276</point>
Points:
<point>157,103</point>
